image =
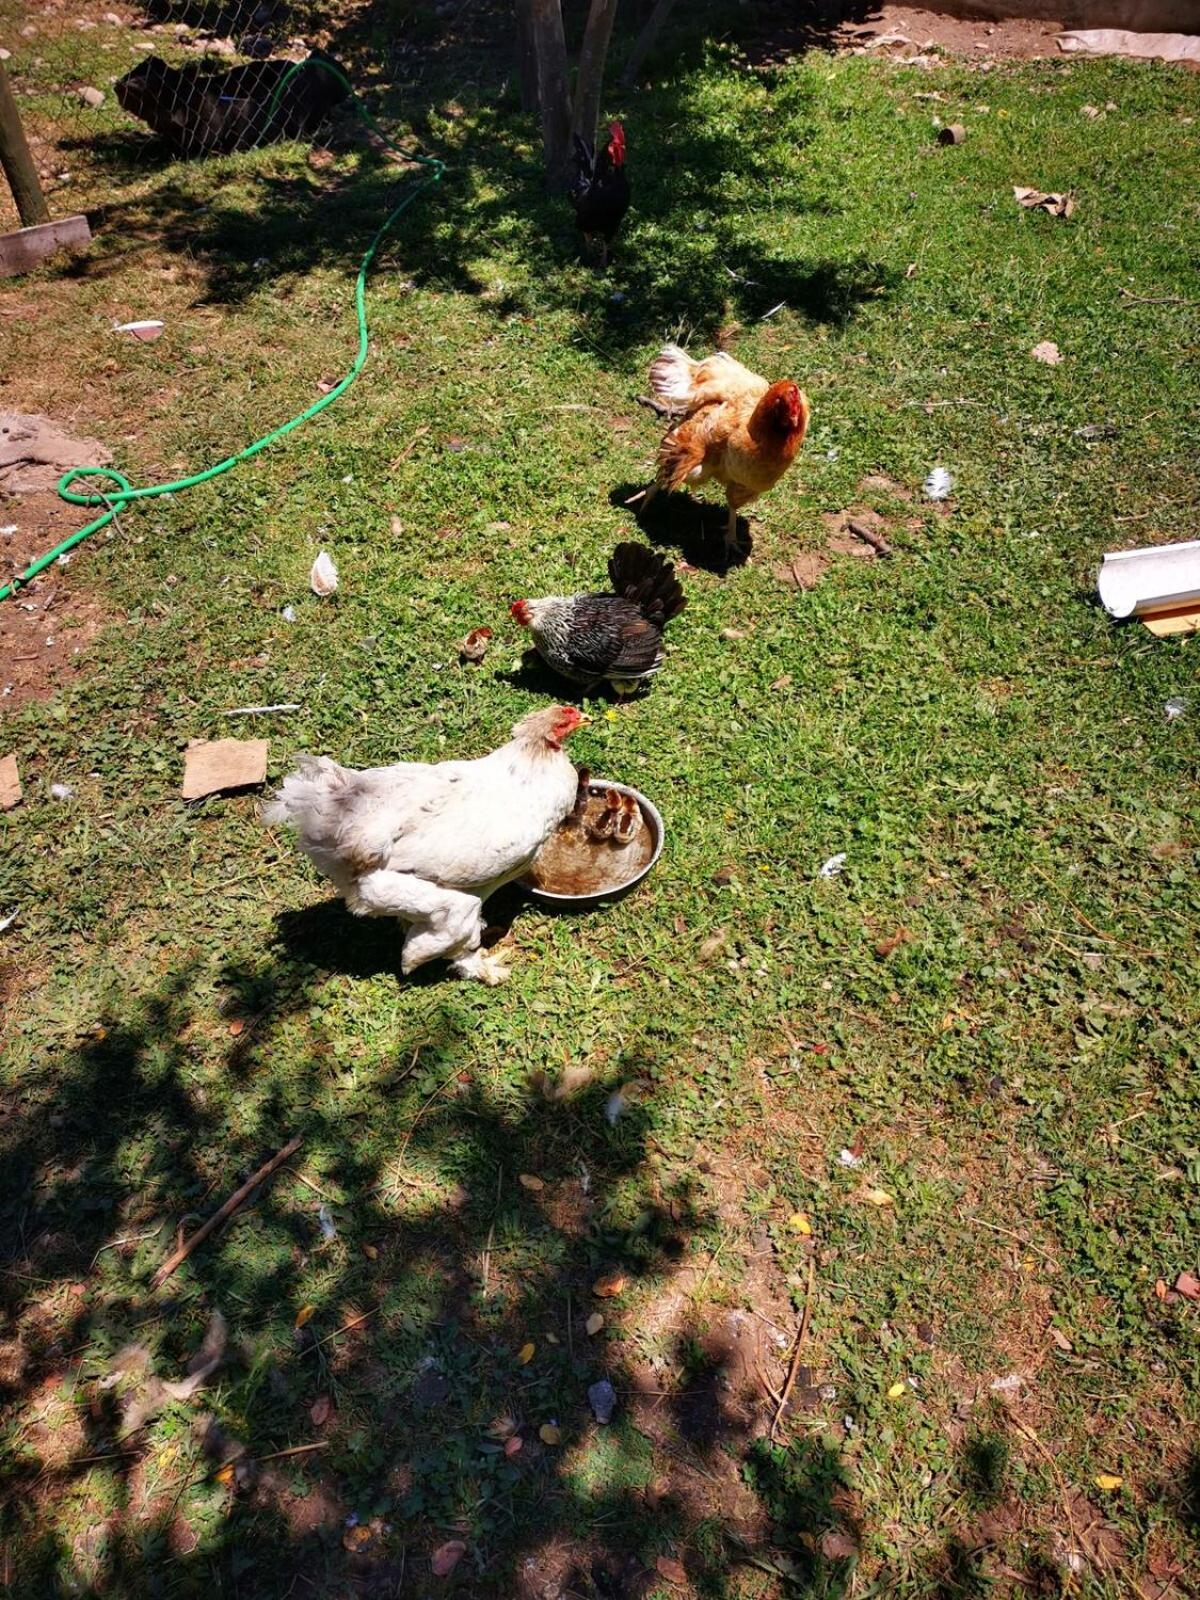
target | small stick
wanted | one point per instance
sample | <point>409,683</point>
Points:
<point>1009,1234</point>
<point>227,1210</point>
<point>868,536</point>
<point>347,1327</point>
<point>632,501</point>
<point>721,1243</point>
<point>491,1233</point>
<point>295,1450</point>
<point>408,1135</point>
<point>1157,300</point>
<point>277,1455</point>
<point>261,711</point>
<point>307,1182</point>
<point>801,1332</point>
<point>657,406</point>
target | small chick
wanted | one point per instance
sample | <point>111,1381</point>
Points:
<point>605,825</point>
<point>629,820</point>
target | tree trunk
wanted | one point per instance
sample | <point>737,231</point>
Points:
<point>526,58</point>
<point>590,80</point>
<point>645,41</point>
<point>554,94</point>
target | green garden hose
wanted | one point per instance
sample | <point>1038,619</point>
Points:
<point>123,493</point>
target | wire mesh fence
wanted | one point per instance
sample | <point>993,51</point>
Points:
<point>96,90</point>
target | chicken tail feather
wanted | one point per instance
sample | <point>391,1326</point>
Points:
<point>648,580</point>
<point>672,376</point>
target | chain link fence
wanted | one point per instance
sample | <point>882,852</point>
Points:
<point>103,93</point>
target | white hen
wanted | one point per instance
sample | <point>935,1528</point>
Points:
<point>428,844</point>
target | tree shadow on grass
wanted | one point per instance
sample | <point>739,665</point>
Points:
<point>448,1316</point>
<point>684,260</point>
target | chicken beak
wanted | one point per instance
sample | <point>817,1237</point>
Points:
<point>584,720</point>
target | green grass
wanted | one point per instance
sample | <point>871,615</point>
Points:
<point>964,722</point>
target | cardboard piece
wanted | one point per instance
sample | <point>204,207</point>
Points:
<point>11,792</point>
<point>218,766</point>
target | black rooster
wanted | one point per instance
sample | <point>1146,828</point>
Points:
<point>617,637</point>
<point>599,189</point>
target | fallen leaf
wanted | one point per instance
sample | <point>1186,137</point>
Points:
<point>878,1197</point>
<point>320,1410</point>
<point>359,1539</point>
<point>225,1475</point>
<point>1107,1480</point>
<point>236,1026</point>
<point>446,1557</point>
<point>712,946</point>
<point>305,1314</point>
<point>395,527</point>
<point>610,1284</point>
<point>837,1546</point>
<point>896,1390</point>
<point>326,385</point>
<point>593,1324</point>
<point>784,682</point>
<point>549,1434</point>
<point>892,943</point>
<point>798,1222</point>
<point>670,1569</point>
<point>371,1253</point>
<point>1188,1285</point>
<point>528,1181</point>
<point>513,1444</point>
<point>1056,205</point>
<point>525,1354</point>
<point>1047,352</point>
<point>1160,1289</point>
<point>1060,1339</point>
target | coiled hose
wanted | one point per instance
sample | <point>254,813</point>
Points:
<point>123,493</point>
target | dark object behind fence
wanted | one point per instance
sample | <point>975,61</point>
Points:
<point>201,110</point>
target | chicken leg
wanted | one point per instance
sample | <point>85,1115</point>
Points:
<point>441,922</point>
<point>735,498</point>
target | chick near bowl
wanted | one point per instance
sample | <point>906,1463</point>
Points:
<point>608,844</point>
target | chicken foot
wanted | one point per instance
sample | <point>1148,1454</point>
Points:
<point>441,922</point>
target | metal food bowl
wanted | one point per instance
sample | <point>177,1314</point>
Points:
<point>651,820</point>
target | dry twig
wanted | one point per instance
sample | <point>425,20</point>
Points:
<point>231,1205</point>
<point>801,1334</point>
<point>878,543</point>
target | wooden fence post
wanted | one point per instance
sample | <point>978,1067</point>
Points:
<point>17,161</point>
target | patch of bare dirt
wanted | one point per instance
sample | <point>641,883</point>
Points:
<point>803,571</point>
<point>894,31</point>
<point>1008,39</point>
<point>46,628</point>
